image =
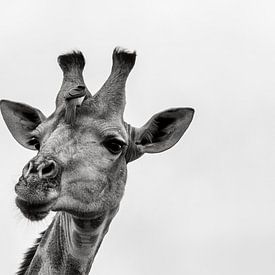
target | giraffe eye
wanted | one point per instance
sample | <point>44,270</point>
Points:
<point>114,146</point>
<point>35,142</point>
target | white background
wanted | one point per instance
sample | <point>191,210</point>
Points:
<point>207,205</point>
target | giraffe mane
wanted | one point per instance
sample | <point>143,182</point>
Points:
<point>28,256</point>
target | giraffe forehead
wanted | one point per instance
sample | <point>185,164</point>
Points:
<point>87,126</point>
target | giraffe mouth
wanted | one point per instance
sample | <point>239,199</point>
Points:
<point>34,211</point>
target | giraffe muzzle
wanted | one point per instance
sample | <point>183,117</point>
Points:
<point>38,188</point>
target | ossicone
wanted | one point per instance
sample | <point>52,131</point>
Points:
<point>71,60</point>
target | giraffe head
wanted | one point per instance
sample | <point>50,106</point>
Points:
<point>84,146</point>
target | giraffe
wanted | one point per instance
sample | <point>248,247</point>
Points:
<point>79,170</point>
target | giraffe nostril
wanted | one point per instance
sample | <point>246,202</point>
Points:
<point>28,169</point>
<point>46,169</point>
<point>49,170</point>
<point>33,170</point>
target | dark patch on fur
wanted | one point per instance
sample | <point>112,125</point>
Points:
<point>73,266</point>
<point>71,60</point>
<point>29,256</point>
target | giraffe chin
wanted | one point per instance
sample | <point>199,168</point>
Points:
<point>34,211</point>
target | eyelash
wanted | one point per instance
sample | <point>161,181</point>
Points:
<point>114,146</point>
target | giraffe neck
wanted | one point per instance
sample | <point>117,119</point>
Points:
<point>70,244</point>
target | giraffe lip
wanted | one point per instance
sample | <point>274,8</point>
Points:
<point>34,211</point>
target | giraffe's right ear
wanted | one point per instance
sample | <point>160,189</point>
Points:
<point>21,119</point>
<point>163,130</point>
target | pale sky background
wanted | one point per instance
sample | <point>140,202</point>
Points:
<point>206,206</point>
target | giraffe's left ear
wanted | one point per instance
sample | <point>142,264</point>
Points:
<point>163,130</point>
<point>21,120</point>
